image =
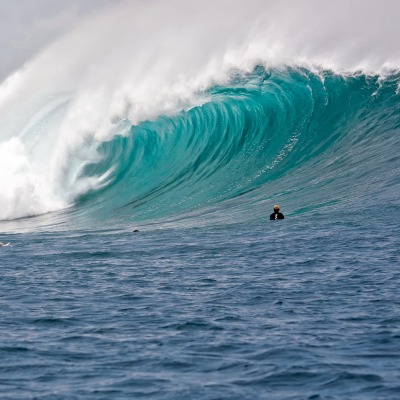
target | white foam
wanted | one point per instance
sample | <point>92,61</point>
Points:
<point>24,190</point>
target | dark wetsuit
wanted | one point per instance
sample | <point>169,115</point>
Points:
<point>276,215</point>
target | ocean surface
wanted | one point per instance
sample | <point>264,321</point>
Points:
<point>142,262</point>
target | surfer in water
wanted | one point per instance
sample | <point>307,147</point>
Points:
<point>276,214</point>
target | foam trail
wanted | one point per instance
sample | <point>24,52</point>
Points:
<point>137,61</point>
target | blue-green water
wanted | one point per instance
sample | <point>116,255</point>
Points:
<point>211,300</point>
<point>310,140</point>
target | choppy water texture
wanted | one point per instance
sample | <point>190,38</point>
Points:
<point>303,309</point>
<point>209,299</point>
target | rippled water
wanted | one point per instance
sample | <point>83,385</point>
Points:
<point>304,308</point>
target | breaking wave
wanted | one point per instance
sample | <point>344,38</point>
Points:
<point>206,122</point>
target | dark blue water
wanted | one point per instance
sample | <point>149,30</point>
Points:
<point>305,308</point>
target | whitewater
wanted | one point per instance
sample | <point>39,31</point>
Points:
<point>141,154</point>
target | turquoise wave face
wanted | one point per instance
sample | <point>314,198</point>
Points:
<point>304,139</point>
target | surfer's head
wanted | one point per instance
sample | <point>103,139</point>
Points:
<point>276,207</point>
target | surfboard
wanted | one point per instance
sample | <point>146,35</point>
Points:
<point>4,244</point>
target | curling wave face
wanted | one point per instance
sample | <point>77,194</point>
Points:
<point>313,140</point>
